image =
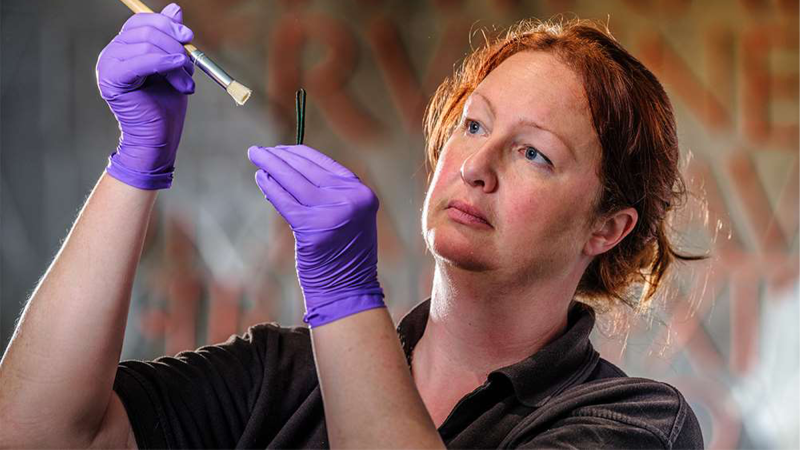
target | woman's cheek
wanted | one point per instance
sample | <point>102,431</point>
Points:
<point>450,168</point>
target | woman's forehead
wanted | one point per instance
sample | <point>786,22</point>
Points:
<point>535,78</point>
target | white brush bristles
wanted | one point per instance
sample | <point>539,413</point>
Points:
<point>239,92</point>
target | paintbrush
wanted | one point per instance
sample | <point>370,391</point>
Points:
<point>238,91</point>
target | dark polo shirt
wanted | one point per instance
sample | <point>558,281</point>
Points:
<point>260,390</point>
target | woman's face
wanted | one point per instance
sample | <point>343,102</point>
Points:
<point>525,154</point>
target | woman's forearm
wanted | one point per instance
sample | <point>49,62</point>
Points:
<point>369,396</point>
<point>58,371</point>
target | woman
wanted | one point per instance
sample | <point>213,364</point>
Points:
<point>555,157</point>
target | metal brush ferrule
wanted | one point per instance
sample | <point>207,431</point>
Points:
<point>211,68</point>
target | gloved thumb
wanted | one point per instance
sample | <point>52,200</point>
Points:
<point>174,12</point>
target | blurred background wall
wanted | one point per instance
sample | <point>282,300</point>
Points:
<point>218,258</point>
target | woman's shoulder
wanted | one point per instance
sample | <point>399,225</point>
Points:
<point>259,338</point>
<point>264,330</point>
<point>271,340</point>
<point>263,346</point>
<point>653,407</point>
<point>609,410</point>
<point>177,401</point>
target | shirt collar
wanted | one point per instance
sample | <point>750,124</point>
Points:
<point>564,362</point>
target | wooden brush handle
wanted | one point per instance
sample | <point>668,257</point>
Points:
<point>138,7</point>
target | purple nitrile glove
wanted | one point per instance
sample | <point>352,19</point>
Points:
<point>334,219</point>
<point>145,76</point>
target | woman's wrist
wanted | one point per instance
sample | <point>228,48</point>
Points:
<point>358,358</point>
<point>336,307</point>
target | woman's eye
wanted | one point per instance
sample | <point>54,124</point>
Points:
<point>532,154</point>
<point>473,127</point>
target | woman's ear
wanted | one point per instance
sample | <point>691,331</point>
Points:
<point>610,231</point>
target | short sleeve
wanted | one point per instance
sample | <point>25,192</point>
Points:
<point>205,398</point>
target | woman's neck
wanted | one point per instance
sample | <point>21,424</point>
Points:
<point>477,324</point>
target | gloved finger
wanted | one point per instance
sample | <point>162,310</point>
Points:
<point>185,74</point>
<point>181,81</point>
<point>282,200</point>
<point>149,35</point>
<point>133,71</point>
<point>320,159</point>
<point>315,173</point>
<point>174,12</point>
<point>179,32</point>
<point>189,67</point>
<point>122,52</point>
<point>292,180</point>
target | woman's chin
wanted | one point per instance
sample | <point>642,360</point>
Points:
<point>458,250</point>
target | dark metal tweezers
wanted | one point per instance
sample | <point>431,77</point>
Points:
<point>300,105</point>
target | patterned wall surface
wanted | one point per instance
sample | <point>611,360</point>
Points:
<point>218,258</point>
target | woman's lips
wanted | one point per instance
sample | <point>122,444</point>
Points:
<point>467,219</point>
<point>469,210</point>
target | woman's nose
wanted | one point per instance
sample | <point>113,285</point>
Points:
<point>478,169</point>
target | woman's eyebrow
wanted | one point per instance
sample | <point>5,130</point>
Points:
<point>534,124</point>
<point>485,100</point>
<point>530,123</point>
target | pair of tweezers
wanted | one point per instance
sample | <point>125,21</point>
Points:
<point>300,106</point>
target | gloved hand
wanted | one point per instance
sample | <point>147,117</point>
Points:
<point>334,219</point>
<point>145,75</point>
